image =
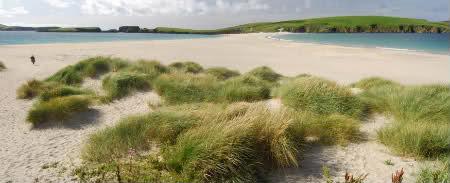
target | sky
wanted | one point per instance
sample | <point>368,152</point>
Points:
<point>203,14</point>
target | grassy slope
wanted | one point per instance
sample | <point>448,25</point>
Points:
<point>341,24</point>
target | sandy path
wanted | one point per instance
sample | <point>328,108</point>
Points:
<point>367,157</point>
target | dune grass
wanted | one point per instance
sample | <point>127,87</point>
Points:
<point>189,67</point>
<point>151,69</point>
<point>435,174</point>
<point>137,132</point>
<point>62,91</point>
<point>60,108</point>
<point>222,73</point>
<point>320,96</point>
<point>372,82</point>
<point>176,88</point>
<point>91,67</point>
<point>265,73</point>
<point>421,120</point>
<point>244,88</point>
<point>31,89</point>
<point>335,129</point>
<point>2,66</point>
<point>120,84</point>
<point>235,144</point>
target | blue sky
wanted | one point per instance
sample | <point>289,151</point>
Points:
<point>203,13</point>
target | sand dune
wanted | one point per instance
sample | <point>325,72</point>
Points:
<point>24,151</point>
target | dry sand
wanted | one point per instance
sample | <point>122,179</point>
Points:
<point>24,151</point>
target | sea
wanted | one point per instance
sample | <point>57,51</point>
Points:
<point>31,37</point>
<point>423,42</point>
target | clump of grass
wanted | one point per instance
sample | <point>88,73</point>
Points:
<point>92,67</point>
<point>418,139</point>
<point>138,133</point>
<point>335,129</point>
<point>435,174</point>
<point>388,162</point>
<point>320,96</point>
<point>57,109</point>
<point>62,91</point>
<point>422,104</point>
<point>118,85</point>
<point>372,82</point>
<point>421,117</point>
<point>189,67</point>
<point>222,73</point>
<point>151,69</point>
<point>244,88</point>
<point>32,89</point>
<point>265,73</point>
<point>2,66</point>
<point>230,149</point>
<point>178,88</point>
<point>69,76</point>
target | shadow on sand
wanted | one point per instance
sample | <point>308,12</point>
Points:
<point>76,122</point>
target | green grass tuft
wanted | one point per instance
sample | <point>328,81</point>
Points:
<point>32,89</point>
<point>118,85</point>
<point>150,68</point>
<point>91,67</point>
<point>329,130</point>
<point>421,117</point>
<point>189,67</point>
<point>233,150</point>
<point>178,88</point>
<point>320,96</point>
<point>57,109</point>
<point>265,73</point>
<point>244,88</point>
<point>435,174</point>
<point>222,73</point>
<point>372,82</point>
<point>138,133</point>
<point>62,91</point>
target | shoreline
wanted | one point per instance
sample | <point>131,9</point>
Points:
<point>266,35</point>
<point>356,46</point>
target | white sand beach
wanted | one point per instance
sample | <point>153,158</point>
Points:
<point>24,151</point>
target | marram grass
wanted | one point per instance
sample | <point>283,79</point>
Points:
<point>58,109</point>
<point>320,96</point>
<point>222,73</point>
<point>120,84</point>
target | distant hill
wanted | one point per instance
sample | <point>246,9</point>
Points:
<point>343,24</point>
<point>69,29</point>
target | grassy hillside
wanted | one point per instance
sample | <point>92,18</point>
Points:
<point>329,24</point>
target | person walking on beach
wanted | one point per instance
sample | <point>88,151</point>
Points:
<point>33,60</point>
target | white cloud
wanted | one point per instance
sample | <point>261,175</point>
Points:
<point>158,7</point>
<point>60,3</point>
<point>238,6</point>
<point>11,12</point>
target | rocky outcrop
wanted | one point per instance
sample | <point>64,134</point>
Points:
<point>129,29</point>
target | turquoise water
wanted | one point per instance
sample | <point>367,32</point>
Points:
<point>30,37</point>
<point>434,43</point>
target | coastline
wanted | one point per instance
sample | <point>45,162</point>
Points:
<point>355,46</point>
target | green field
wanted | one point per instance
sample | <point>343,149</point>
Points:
<point>328,24</point>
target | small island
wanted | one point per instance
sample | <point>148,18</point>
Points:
<point>341,24</point>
